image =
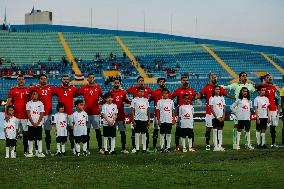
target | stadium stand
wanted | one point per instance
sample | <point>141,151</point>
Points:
<point>41,51</point>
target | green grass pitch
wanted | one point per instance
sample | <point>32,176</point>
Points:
<point>260,168</point>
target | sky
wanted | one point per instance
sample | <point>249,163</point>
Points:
<point>248,21</point>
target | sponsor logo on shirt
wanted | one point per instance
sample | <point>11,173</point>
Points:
<point>186,116</point>
<point>167,109</point>
<point>62,123</point>
<point>142,107</point>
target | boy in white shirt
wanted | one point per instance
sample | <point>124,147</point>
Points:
<point>2,120</point>
<point>261,104</point>
<point>186,112</point>
<point>241,108</point>
<point>11,132</point>
<point>60,121</point>
<point>166,119</point>
<point>140,115</point>
<point>35,111</point>
<point>80,119</point>
<point>109,114</point>
<point>217,105</point>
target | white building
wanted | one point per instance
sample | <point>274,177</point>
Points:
<point>38,17</point>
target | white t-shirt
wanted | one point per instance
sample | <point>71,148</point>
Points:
<point>2,117</point>
<point>166,107</point>
<point>261,103</point>
<point>35,109</point>
<point>80,123</point>
<point>241,108</point>
<point>218,103</point>
<point>11,127</point>
<point>186,116</point>
<point>237,87</point>
<point>60,121</point>
<point>109,110</point>
<point>140,106</point>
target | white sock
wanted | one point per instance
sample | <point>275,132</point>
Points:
<point>39,146</point>
<point>262,139</point>
<point>169,139</point>
<point>7,151</point>
<point>183,142</point>
<point>189,143</point>
<point>220,137</point>
<point>105,143</point>
<point>85,147</point>
<point>13,151</point>
<point>162,140</point>
<point>144,139</point>
<point>112,144</point>
<point>63,147</point>
<point>137,136</point>
<point>234,136</point>
<point>258,139</point>
<point>58,147</point>
<point>30,143</point>
<point>248,137</point>
<point>215,141</point>
<point>238,137</point>
<point>77,146</point>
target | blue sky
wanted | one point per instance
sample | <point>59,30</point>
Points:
<point>249,21</point>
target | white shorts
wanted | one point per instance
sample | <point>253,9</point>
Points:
<point>121,125</point>
<point>69,120</point>
<point>274,118</point>
<point>94,121</point>
<point>208,120</point>
<point>235,119</point>
<point>22,124</point>
<point>47,122</point>
<point>156,125</point>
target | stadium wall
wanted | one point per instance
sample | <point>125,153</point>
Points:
<point>61,28</point>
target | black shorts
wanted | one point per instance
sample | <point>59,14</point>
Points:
<point>141,126</point>
<point>186,132</point>
<point>263,124</point>
<point>166,128</point>
<point>34,133</point>
<point>11,142</point>
<point>178,131</point>
<point>61,139</point>
<point>244,124</point>
<point>217,124</point>
<point>109,131</point>
<point>79,139</point>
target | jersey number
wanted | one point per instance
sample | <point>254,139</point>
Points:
<point>44,92</point>
<point>117,98</point>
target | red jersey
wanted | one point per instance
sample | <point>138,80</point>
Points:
<point>270,93</point>
<point>91,96</point>
<point>66,96</point>
<point>20,97</point>
<point>179,92</point>
<point>133,90</point>
<point>119,97</point>
<point>45,96</point>
<point>156,95</point>
<point>207,91</point>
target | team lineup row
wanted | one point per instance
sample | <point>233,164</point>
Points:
<point>29,109</point>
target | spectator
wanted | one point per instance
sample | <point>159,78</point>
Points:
<point>111,56</point>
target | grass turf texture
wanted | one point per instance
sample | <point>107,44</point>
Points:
<point>260,168</point>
